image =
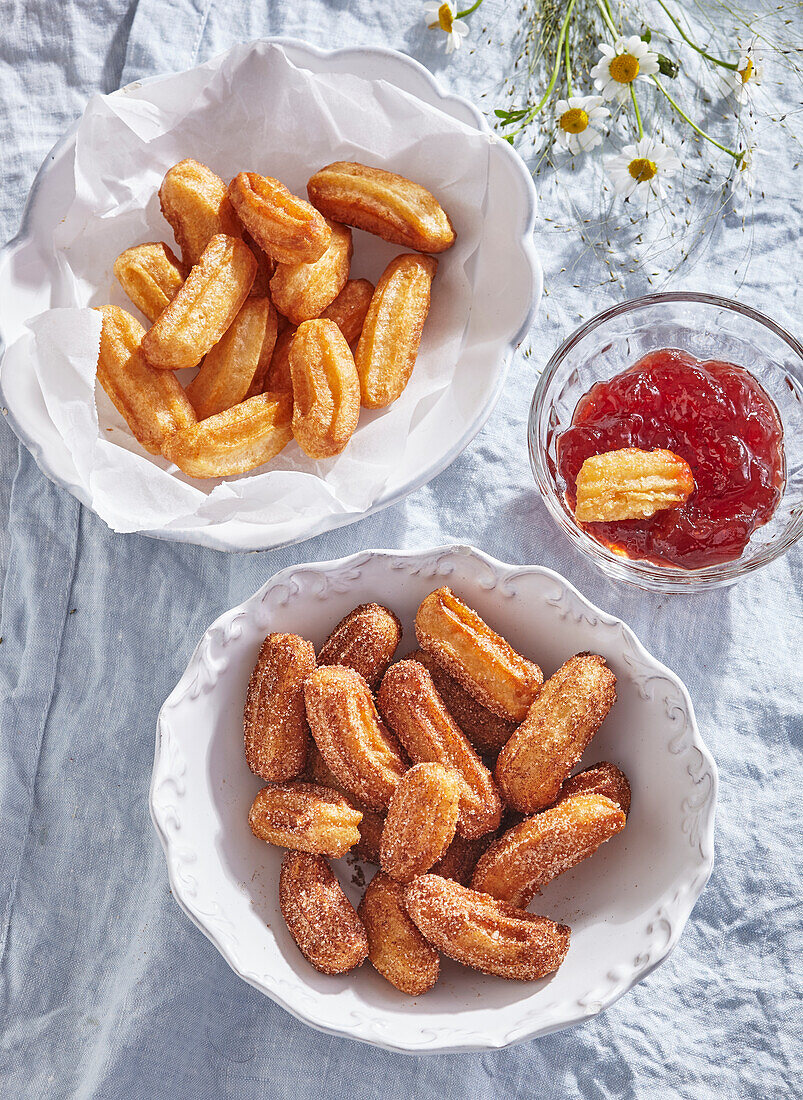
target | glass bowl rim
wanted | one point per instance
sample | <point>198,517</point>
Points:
<point>646,575</point>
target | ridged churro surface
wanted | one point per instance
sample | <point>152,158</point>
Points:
<point>396,948</point>
<point>194,202</point>
<point>151,275</point>
<point>302,291</point>
<point>274,720</point>
<point>421,820</point>
<point>411,706</point>
<point>320,917</point>
<point>518,865</point>
<point>384,203</point>
<point>305,816</point>
<point>483,933</point>
<point>326,389</point>
<point>559,725</point>
<point>152,402</point>
<point>365,640</point>
<point>487,666</point>
<point>286,227</point>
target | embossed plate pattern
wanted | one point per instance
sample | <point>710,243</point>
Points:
<point>627,906</point>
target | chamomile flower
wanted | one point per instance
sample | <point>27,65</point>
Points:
<point>628,60</point>
<point>443,17</point>
<point>579,119</point>
<point>747,75</point>
<point>641,166</point>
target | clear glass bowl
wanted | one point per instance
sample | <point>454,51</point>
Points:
<point>707,327</point>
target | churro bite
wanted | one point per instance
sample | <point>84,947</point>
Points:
<point>305,816</point>
<point>320,917</point>
<point>350,308</point>
<point>287,228</point>
<point>275,721</point>
<point>365,640</point>
<point>195,205</point>
<point>238,362</point>
<point>421,821</point>
<point>361,752</point>
<point>391,333</point>
<point>488,935</point>
<point>486,731</point>
<point>396,948</point>
<point>326,389</point>
<point>204,307</point>
<point>235,441</point>
<point>631,484</point>
<point>411,706</point>
<point>528,856</point>
<point>302,291</point>
<point>489,669</point>
<point>152,402</point>
<point>151,275</point>
<point>603,778</point>
<point>569,710</point>
<point>383,203</point>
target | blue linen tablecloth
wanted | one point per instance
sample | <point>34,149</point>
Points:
<point>106,989</point>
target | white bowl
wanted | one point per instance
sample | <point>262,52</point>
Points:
<point>626,906</point>
<point>504,278</point>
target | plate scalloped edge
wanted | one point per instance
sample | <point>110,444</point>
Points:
<point>665,922</point>
<point>524,241</point>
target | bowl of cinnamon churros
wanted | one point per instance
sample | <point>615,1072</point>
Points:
<point>432,801</point>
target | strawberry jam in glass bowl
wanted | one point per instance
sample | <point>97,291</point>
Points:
<point>711,380</point>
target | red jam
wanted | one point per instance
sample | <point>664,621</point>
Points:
<point>715,416</point>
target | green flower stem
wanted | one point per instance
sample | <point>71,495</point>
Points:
<point>638,112</point>
<point>569,89</point>
<point>467,11</point>
<point>605,12</point>
<point>553,79</point>
<point>736,156</point>
<point>709,57</point>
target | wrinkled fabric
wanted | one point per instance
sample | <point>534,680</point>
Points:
<point>107,991</point>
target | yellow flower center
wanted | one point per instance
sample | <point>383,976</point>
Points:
<point>746,72</point>
<point>642,169</point>
<point>624,68</point>
<point>574,121</point>
<point>445,18</point>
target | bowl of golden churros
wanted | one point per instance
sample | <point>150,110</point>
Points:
<point>431,801</point>
<point>242,326</point>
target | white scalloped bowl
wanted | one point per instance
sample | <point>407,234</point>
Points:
<point>626,906</point>
<point>505,280</point>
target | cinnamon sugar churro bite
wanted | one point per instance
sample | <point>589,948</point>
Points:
<point>275,721</point>
<point>320,917</point>
<point>489,669</point>
<point>396,948</point>
<point>305,816</point>
<point>364,640</point>
<point>421,821</point>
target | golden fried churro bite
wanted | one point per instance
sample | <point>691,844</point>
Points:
<point>207,303</point>
<point>320,917</point>
<point>483,933</point>
<point>569,710</point>
<point>396,948</point>
<point>391,333</point>
<point>518,865</point>
<point>486,731</point>
<point>411,706</point>
<point>274,720</point>
<point>239,359</point>
<point>350,307</point>
<point>365,640</point>
<point>326,389</point>
<point>367,847</point>
<point>631,484</point>
<point>383,203</point>
<point>195,204</point>
<point>305,816</point>
<point>235,441</point>
<point>302,291</point>
<point>421,821</point>
<point>152,402</point>
<point>151,275</point>
<point>603,778</point>
<point>364,756</point>
<point>487,667</point>
<point>287,228</point>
